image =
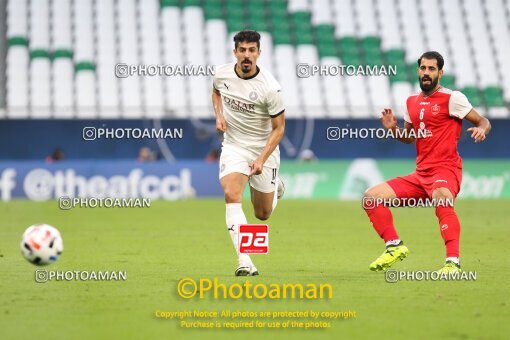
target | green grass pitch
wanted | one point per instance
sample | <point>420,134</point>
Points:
<point>310,242</point>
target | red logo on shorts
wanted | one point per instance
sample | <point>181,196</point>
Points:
<point>253,239</point>
<point>435,109</point>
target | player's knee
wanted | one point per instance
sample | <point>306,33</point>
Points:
<point>443,198</point>
<point>368,193</point>
<point>233,195</point>
<point>371,193</point>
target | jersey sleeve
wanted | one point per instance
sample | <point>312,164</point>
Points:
<point>459,105</point>
<point>274,103</point>
<point>407,117</point>
<point>215,81</point>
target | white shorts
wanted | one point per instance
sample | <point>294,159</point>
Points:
<point>238,160</point>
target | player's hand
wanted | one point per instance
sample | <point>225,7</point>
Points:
<point>256,167</point>
<point>221,124</point>
<point>477,133</point>
<point>388,119</point>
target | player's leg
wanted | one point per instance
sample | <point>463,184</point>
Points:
<point>382,221</point>
<point>233,186</point>
<point>234,171</point>
<point>262,203</point>
<point>400,187</point>
<point>264,193</point>
<point>445,189</point>
<point>380,216</point>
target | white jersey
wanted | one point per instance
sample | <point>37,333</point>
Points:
<point>248,106</point>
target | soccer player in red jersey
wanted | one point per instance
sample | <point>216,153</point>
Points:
<point>434,121</point>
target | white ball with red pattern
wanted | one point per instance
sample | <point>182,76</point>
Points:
<point>41,244</point>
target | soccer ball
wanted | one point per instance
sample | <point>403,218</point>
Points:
<point>41,244</point>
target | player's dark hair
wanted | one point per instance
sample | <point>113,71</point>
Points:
<point>433,55</point>
<point>247,36</point>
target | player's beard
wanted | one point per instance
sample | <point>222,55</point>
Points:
<point>428,87</point>
<point>246,69</point>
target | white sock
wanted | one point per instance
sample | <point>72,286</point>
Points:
<point>454,260</point>
<point>234,216</point>
<point>393,242</point>
<point>275,197</point>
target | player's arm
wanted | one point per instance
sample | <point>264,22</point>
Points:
<point>389,122</point>
<point>277,132</point>
<point>481,128</point>
<point>221,124</point>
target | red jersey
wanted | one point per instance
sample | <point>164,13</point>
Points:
<point>439,117</point>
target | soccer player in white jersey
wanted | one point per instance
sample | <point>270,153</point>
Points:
<point>247,101</point>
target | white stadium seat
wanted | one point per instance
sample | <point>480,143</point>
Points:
<point>17,18</point>
<point>194,49</point>
<point>175,91</point>
<point>391,37</point>
<point>107,58</point>
<point>63,74</point>
<point>130,87</point>
<point>365,18</point>
<point>286,75</point>
<point>412,29</point>
<point>321,12</point>
<point>344,18</point>
<point>298,5</point>
<point>461,57</point>
<point>310,87</point>
<point>483,53</point>
<point>17,81</point>
<point>334,92</point>
<point>151,55</point>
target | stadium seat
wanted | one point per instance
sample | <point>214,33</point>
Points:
<point>343,18</point>
<point>313,101</point>
<point>411,29</point>
<point>60,50</point>
<point>356,95</point>
<point>380,96</point>
<point>286,74</point>
<point>267,55</point>
<point>473,95</point>
<point>459,45</point>
<point>40,83</point>
<point>482,51</point>
<point>85,90</point>
<point>108,86</point>
<point>298,5</point>
<point>401,91</point>
<point>431,18</point>
<point>448,81</point>
<point>500,38</point>
<point>151,55</point>
<point>17,59</point>
<point>130,87</point>
<point>390,31</point>
<point>193,21</point>
<point>321,12</point>
<point>40,96</point>
<point>63,74</point>
<point>175,90</point>
<point>366,23</point>
<point>17,77</point>
<point>334,92</point>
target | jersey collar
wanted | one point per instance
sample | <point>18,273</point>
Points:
<point>251,77</point>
